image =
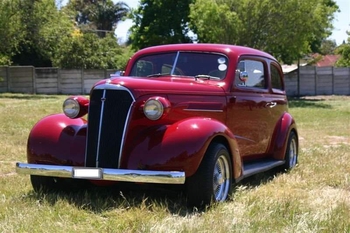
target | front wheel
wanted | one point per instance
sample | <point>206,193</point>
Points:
<point>213,179</point>
<point>291,157</point>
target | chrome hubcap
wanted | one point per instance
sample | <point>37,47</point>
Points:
<point>221,179</point>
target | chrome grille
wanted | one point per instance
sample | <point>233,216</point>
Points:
<point>109,110</point>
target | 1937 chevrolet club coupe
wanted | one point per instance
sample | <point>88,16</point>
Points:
<point>199,115</point>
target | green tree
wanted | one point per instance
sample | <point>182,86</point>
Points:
<point>160,22</point>
<point>316,44</point>
<point>327,47</point>
<point>106,15</point>
<point>97,15</point>
<point>214,22</point>
<point>88,51</point>
<point>11,30</point>
<point>344,51</point>
<point>44,26</point>
<point>285,29</point>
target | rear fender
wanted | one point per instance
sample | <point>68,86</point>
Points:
<point>279,141</point>
<point>57,139</point>
<point>180,146</point>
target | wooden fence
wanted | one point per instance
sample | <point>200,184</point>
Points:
<point>19,79</point>
<point>318,81</point>
<point>312,80</point>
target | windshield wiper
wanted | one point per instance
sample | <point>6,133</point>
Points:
<point>206,76</point>
<point>158,75</point>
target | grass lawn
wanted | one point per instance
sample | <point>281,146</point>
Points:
<point>313,197</point>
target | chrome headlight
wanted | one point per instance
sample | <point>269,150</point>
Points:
<point>71,108</point>
<point>153,109</point>
<point>75,106</point>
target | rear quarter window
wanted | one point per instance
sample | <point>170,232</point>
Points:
<point>276,78</point>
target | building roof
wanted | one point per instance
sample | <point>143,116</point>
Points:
<point>328,60</point>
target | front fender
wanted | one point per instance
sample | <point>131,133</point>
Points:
<point>178,147</point>
<point>57,139</point>
<point>282,130</point>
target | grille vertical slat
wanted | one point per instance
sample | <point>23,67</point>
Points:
<point>115,113</point>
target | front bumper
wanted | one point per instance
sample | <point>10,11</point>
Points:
<point>159,177</point>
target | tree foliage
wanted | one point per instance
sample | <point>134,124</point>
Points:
<point>160,22</point>
<point>97,15</point>
<point>38,33</point>
<point>11,30</point>
<point>88,51</point>
<point>344,51</point>
<point>327,47</point>
<point>286,29</point>
<point>44,26</point>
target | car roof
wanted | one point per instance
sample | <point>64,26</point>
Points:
<point>219,48</point>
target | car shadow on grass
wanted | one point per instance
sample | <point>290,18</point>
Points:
<point>308,103</point>
<point>260,178</point>
<point>124,197</point>
<point>130,196</point>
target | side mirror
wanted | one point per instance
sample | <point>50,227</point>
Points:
<point>243,76</point>
<point>119,73</point>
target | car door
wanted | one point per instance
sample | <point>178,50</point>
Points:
<point>250,107</point>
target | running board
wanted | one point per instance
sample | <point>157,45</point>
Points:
<point>253,168</point>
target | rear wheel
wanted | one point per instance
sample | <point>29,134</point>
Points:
<point>213,179</point>
<point>291,156</point>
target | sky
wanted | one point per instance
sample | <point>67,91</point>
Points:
<point>341,22</point>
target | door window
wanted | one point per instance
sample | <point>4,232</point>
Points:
<point>250,73</point>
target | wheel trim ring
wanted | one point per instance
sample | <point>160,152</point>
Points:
<point>292,153</point>
<point>221,169</point>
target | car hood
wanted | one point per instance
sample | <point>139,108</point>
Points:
<point>165,85</point>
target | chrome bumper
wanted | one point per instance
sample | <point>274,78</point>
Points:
<point>159,177</point>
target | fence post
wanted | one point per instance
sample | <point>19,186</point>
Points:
<point>34,79</point>
<point>349,82</point>
<point>316,80</point>
<point>59,85</point>
<point>298,79</point>
<point>8,79</point>
<point>333,80</point>
<point>82,81</point>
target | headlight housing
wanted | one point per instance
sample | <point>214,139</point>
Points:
<point>74,107</point>
<point>155,108</point>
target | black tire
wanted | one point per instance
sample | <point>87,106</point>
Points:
<point>213,179</point>
<point>291,156</point>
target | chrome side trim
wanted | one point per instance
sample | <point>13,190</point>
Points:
<point>158,177</point>
<point>202,110</point>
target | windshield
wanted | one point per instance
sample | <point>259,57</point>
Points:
<point>181,63</point>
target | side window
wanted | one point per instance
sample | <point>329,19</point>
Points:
<point>276,78</point>
<point>250,73</point>
<point>142,68</point>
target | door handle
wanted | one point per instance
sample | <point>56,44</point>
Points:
<point>271,104</point>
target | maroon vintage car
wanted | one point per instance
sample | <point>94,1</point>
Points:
<point>199,115</point>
